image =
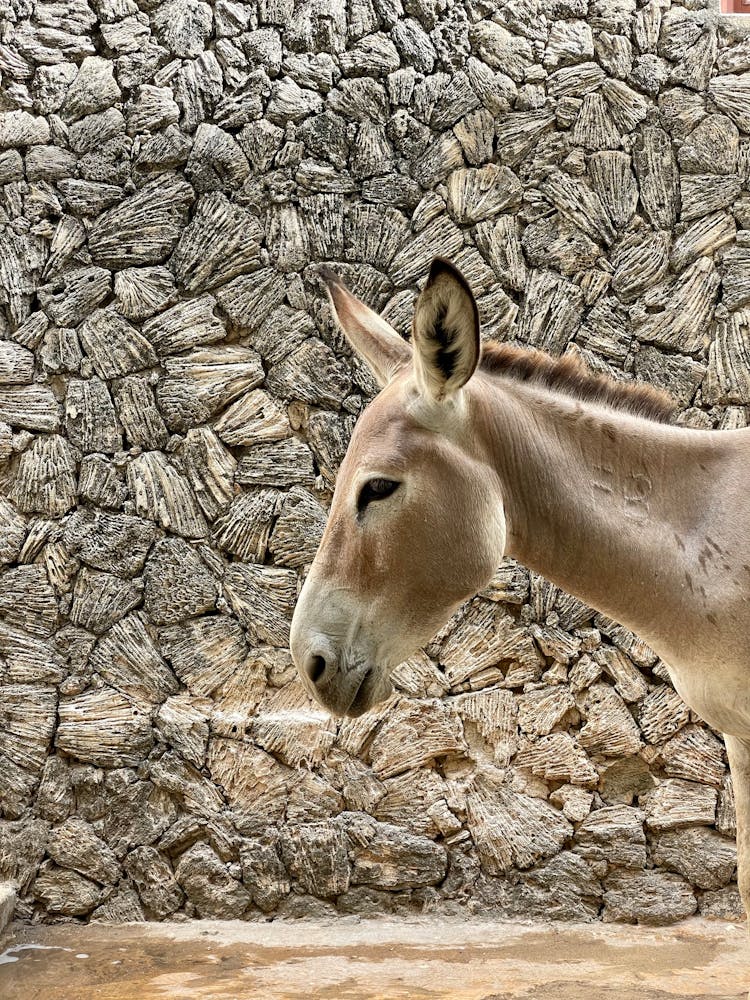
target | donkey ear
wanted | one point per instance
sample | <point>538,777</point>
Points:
<point>371,337</point>
<point>445,332</point>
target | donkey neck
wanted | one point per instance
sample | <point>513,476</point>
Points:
<point>609,506</point>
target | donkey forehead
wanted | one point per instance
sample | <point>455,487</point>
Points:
<point>386,431</point>
<point>400,424</point>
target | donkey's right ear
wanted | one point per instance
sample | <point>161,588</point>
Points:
<point>445,332</point>
<point>371,337</point>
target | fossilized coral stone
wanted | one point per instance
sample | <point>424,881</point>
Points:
<point>114,346</point>
<point>475,195</point>
<point>161,493</point>
<point>176,400</point>
<point>46,481</point>
<point>144,228</point>
<point>103,727</point>
<point>221,241</point>
<point>178,583</point>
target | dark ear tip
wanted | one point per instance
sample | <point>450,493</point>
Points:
<point>441,265</point>
<point>329,275</point>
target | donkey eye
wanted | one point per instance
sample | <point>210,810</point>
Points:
<point>376,489</point>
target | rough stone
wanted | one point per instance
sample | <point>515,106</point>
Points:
<point>387,857</point>
<point>648,897</point>
<point>66,892</point>
<point>315,854</point>
<point>263,874</point>
<point>155,881</point>
<point>176,400</point>
<point>178,584</point>
<point>116,543</point>
<point>700,855</point>
<point>74,844</point>
<point>208,885</point>
<point>614,834</point>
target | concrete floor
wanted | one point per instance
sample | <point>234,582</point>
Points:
<point>376,960</point>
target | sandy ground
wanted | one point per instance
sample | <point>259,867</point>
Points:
<point>376,960</point>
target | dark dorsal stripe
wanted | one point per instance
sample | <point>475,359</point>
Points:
<point>569,375</point>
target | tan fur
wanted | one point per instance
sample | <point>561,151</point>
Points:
<point>574,476</point>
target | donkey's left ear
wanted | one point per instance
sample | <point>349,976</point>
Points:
<point>368,333</point>
<point>445,332</point>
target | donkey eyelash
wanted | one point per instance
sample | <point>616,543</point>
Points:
<point>375,489</point>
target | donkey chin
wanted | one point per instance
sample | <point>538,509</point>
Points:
<point>369,687</point>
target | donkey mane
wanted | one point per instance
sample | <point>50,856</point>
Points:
<point>570,376</point>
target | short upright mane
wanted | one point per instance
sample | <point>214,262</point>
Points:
<point>570,376</point>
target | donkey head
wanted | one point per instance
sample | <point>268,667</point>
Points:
<point>416,524</point>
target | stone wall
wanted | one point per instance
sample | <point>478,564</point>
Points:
<point>174,402</point>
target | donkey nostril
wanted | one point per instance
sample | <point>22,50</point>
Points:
<point>316,668</point>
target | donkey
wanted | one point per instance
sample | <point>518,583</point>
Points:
<point>471,453</point>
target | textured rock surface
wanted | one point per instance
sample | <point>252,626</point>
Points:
<point>175,402</point>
